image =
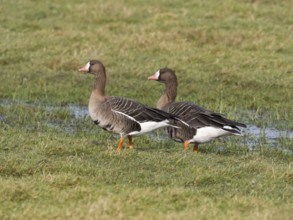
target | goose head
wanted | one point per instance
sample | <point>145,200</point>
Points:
<point>93,67</point>
<point>164,75</point>
<point>169,79</point>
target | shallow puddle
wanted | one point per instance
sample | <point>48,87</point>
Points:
<point>252,135</point>
<point>268,133</point>
<point>78,111</point>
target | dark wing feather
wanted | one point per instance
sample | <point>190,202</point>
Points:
<point>197,116</point>
<point>136,110</point>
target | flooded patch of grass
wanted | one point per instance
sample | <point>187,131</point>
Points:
<point>34,116</point>
<point>74,118</point>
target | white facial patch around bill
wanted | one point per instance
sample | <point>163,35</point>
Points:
<point>157,74</point>
<point>87,66</point>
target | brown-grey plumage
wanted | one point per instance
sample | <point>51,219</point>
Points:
<point>198,125</point>
<point>118,114</point>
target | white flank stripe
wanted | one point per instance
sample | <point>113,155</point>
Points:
<point>183,122</point>
<point>146,126</point>
<point>128,116</point>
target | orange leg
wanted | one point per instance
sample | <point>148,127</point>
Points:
<point>195,148</point>
<point>130,143</point>
<point>121,141</point>
<point>186,143</point>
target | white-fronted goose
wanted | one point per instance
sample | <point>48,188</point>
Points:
<point>198,125</point>
<point>121,115</point>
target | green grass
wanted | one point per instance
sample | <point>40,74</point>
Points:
<point>233,57</point>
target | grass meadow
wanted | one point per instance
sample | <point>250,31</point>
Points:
<point>233,57</point>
